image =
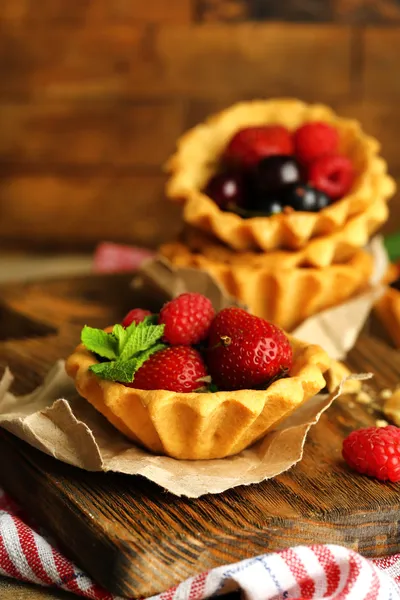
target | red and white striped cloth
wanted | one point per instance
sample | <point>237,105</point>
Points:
<point>324,571</point>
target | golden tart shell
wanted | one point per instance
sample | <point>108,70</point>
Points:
<point>319,252</point>
<point>272,289</point>
<point>388,305</point>
<point>198,153</point>
<point>200,425</point>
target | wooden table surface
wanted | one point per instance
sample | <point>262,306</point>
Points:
<point>12,590</point>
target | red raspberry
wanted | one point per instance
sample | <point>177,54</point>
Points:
<point>176,369</point>
<point>245,351</point>
<point>249,145</point>
<point>374,451</point>
<point>333,175</point>
<point>315,139</point>
<point>187,319</point>
<point>136,315</point>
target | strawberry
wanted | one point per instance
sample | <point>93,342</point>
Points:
<point>246,352</point>
<point>136,315</point>
<point>187,319</point>
<point>177,369</point>
<point>249,145</point>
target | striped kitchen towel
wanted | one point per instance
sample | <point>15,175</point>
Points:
<point>323,571</point>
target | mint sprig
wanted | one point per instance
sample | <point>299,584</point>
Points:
<point>140,338</point>
<point>125,350</point>
<point>99,342</point>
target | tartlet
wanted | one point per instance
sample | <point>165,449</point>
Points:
<point>197,426</point>
<point>271,285</point>
<point>336,247</point>
<point>388,305</point>
<point>198,153</point>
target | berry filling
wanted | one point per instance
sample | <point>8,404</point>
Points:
<point>333,175</point>
<point>249,145</point>
<point>313,140</point>
<point>136,315</point>
<point>267,168</point>
<point>304,198</point>
<point>188,348</point>
<point>227,188</point>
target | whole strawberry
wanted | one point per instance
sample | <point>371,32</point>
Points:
<point>374,451</point>
<point>187,319</point>
<point>177,369</point>
<point>246,352</point>
<point>136,315</point>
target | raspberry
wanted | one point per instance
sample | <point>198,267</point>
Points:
<point>136,315</point>
<point>176,369</point>
<point>333,175</point>
<point>315,139</point>
<point>251,144</point>
<point>245,351</point>
<point>374,451</point>
<point>187,319</point>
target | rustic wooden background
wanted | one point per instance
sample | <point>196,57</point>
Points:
<point>93,95</point>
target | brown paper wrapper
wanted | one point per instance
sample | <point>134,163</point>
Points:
<point>159,277</point>
<point>55,420</point>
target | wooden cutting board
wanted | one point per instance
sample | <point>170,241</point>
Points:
<point>130,535</point>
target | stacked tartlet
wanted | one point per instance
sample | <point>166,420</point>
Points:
<point>388,305</point>
<point>279,198</point>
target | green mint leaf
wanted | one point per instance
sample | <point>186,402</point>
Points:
<point>99,342</point>
<point>140,338</point>
<point>121,335</point>
<point>119,370</point>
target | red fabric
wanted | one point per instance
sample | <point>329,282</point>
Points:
<point>116,258</point>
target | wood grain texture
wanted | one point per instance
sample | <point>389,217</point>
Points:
<point>101,12</point>
<point>71,61</point>
<point>83,209</point>
<point>86,86</point>
<point>345,11</point>
<point>381,81</point>
<point>229,11</point>
<point>153,539</point>
<point>363,12</point>
<point>90,133</point>
<point>129,61</point>
<point>13,590</point>
<point>220,60</point>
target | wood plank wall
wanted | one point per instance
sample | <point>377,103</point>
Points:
<point>94,93</point>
